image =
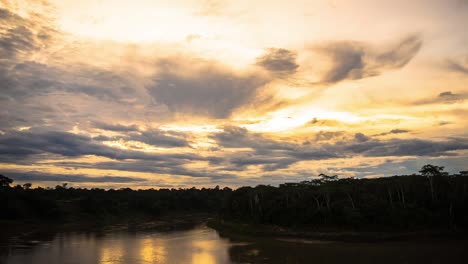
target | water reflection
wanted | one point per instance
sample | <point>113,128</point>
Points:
<point>202,245</point>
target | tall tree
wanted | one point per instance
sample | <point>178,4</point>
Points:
<point>5,181</point>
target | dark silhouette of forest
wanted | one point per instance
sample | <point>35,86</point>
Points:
<point>431,199</point>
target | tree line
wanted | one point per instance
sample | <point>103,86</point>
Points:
<point>66,204</point>
<point>430,199</point>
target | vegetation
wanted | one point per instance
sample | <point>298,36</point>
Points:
<point>431,200</point>
<point>71,204</point>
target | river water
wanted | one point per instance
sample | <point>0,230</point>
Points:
<point>203,245</point>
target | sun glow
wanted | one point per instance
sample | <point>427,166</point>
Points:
<point>288,119</point>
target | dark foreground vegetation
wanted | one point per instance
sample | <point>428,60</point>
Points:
<point>431,200</point>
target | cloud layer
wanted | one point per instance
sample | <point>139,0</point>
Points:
<point>212,97</point>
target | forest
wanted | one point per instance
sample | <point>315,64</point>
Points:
<point>431,199</point>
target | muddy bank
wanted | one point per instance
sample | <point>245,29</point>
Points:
<point>242,229</point>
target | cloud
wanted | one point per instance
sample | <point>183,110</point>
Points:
<point>24,79</point>
<point>22,76</point>
<point>451,97</point>
<point>278,61</point>
<point>272,154</point>
<point>394,131</point>
<point>181,85</point>
<point>16,41</point>
<point>238,137</point>
<point>447,97</point>
<point>458,65</point>
<point>19,36</point>
<point>204,88</point>
<point>328,135</point>
<point>347,59</point>
<point>407,147</point>
<point>409,166</point>
<point>241,149</point>
<point>35,176</point>
<point>172,165</point>
<point>400,54</point>
<point>22,144</point>
<point>155,137</point>
<point>280,153</point>
<point>360,137</point>
<point>355,60</point>
<point>114,127</point>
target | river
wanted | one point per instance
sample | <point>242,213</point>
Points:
<point>203,245</point>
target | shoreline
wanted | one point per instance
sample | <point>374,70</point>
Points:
<point>180,221</point>
<point>234,229</point>
<point>25,228</point>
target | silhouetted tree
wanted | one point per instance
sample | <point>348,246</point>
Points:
<point>431,171</point>
<point>5,181</point>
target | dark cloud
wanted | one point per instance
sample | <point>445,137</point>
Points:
<point>447,97</point>
<point>254,149</point>
<point>160,138</point>
<point>20,36</point>
<point>278,61</point>
<point>354,60</point>
<point>170,166</point>
<point>155,137</point>
<point>408,147</point>
<point>27,84</point>
<point>275,154</point>
<point>275,161</point>
<point>272,154</point>
<point>452,97</point>
<point>16,41</point>
<point>16,144</point>
<point>203,88</point>
<point>238,137</point>
<point>35,94</point>
<point>114,127</point>
<point>181,85</point>
<point>394,131</point>
<point>360,137</point>
<point>315,153</point>
<point>348,61</point>
<point>398,131</point>
<point>458,65</point>
<point>328,135</point>
<point>35,176</point>
<point>25,79</point>
<point>410,166</point>
<point>400,54</point>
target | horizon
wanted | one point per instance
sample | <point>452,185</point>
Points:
<point>186,93</point>
<point>322,178</point>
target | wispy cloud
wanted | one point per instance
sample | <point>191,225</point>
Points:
<point>355,60</point>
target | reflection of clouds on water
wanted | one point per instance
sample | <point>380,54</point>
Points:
<point>203,245</point>
<point>210,251</point>
<point>200,245</point>
<point>152,250</point>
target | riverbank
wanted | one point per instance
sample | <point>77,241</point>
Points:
<point>30,228</point>
<point>228,228</point>
<point>182,220</point>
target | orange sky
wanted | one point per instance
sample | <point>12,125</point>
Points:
<point>188,93</point>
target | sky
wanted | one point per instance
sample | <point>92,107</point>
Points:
<point>182,93</point>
